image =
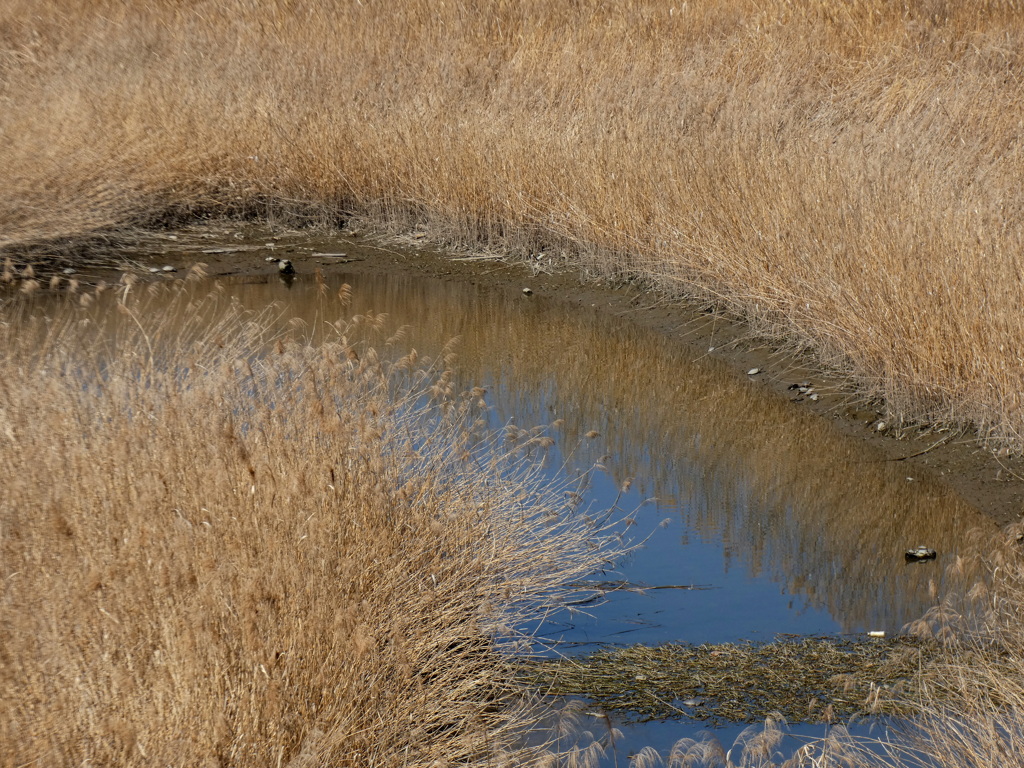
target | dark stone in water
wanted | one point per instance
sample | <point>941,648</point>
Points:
<point>919,554</point>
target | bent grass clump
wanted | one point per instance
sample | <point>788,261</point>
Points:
<point>972,697</point>
<point>225,540</point>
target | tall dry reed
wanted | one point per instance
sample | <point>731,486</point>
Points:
<point>845,175</point>
<point>971,711</point>
<point>227,539</point>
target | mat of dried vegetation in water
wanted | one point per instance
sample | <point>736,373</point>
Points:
<point>810,679</point>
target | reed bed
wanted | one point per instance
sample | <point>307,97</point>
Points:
<point>970,704</point>
<point>843,175</point>
<point>230,539</point>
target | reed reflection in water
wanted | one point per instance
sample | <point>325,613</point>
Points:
<point>799,529</point>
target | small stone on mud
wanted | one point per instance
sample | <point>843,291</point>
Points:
<point>753,372</point>
<point>168,268</point>
<point>527,291</point>
<point>154,270</point>
<point>271,258</point>
<point>881,426</point>
<point>814,398</point>
<point>68,271</point>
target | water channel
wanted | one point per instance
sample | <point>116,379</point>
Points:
<point>780,524</point>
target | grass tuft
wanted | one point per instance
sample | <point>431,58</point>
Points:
<point>225,540</point>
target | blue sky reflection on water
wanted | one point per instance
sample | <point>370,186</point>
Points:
<point>725,604</point>
<point>796,529</point>
<point>785,526</point>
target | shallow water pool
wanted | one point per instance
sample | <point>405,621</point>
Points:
<point>750,518</point>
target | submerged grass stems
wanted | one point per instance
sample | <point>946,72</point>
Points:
<point>223,543</point>
<point>769,744</point>
<point>811,680</point>
<point>959,694</point>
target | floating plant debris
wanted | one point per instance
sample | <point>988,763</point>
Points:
<point>810,679</point>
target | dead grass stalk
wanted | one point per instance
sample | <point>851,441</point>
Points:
<point>227,540</point>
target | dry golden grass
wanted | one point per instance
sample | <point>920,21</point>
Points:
<point>229,540</point>
<point>971,711</point>
<point>845,175</point>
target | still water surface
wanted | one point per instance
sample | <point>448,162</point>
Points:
<point>784,526</point>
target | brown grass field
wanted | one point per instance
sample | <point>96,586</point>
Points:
<point>843,175</point>
<point>226,542</point>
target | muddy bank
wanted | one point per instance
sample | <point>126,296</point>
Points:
<point>990,482</point>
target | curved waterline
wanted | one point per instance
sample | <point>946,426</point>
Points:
<point>782,493</point>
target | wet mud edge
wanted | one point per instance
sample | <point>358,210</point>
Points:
<point>992,484</point>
